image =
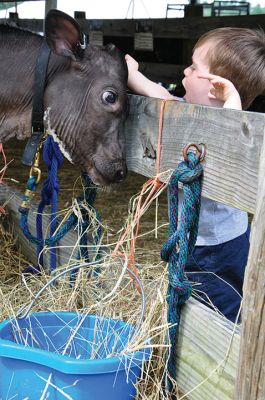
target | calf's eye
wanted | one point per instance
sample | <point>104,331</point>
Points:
<point>109,97</point>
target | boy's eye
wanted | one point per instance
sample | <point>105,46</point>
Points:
<point>192,67</point>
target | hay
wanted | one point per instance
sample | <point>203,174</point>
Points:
<point>116,212</point>
<point>98,293</point>
<point>90,294</point>
<point>87,293</point>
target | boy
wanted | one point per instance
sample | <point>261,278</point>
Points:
<point>228,70</point>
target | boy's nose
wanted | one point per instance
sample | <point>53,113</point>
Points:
<point>186,71</point>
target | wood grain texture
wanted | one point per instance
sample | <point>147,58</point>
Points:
<point>233,140</point>
<point>251,370</point>
<point>208,349</point>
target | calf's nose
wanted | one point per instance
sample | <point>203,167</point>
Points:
<point>120,174</point>
<point>112,171</point>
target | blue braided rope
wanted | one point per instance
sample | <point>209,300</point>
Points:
<point>180,243</point>
<point>49,196</point>
<point>53,158</point>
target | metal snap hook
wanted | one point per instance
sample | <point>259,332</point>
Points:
<point>199,148</point>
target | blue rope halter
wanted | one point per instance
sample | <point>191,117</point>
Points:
<point>49,196</point>
<point>53,158</point>
<point>180,243</point>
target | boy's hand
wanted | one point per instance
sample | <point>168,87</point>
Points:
<point>223,90</point>
<point>132,64</point>
<point>139,84</point>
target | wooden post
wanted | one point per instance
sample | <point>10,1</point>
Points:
<point>50,4</point>
<point>251,371</point>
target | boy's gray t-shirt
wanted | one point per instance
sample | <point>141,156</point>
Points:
<point>218,223</point>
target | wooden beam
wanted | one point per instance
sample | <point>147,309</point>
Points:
<point>207,354</point>
<point>251,369</point>
<point>233,140</point>
<point>181,28</point>
<point>50,4</point>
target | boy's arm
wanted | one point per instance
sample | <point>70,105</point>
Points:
<point>223,90</point>
<point>139,84</point>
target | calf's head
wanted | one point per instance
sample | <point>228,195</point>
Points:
<point>87,97</point>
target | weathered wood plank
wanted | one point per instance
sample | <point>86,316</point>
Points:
<point>208,350</point>
<point>251,369</point>
<point>233,139</point>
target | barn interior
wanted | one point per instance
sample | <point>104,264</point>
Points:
<point>163,47</point>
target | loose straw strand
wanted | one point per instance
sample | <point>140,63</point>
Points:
<point>3,170</point>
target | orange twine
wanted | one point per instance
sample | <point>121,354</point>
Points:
<point>5,163</point>
<point>153,185</point>
<point>2,210</point>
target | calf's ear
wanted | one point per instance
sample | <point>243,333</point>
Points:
<point>63,34</point>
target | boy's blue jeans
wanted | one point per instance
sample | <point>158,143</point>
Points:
<point>218,270</point>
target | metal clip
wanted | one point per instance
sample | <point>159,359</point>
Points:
<point>84,44</point>
<point>35,170</point>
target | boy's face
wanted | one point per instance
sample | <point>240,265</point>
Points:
<point>197,89</point>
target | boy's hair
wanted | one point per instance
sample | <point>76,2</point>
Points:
<point>238,54</point>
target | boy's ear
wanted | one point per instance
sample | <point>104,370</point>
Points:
<point>63,34</point>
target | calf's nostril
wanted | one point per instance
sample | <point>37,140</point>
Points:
<point>120,175</point>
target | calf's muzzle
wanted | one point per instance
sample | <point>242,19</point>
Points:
<point>113,171</point>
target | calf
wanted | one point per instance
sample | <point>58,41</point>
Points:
<point>85,91</point>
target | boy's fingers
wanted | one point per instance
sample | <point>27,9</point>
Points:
<point>129,58</point>
<point>214,79</point>
<point>207,76</point>
<point>211,96</point>
<point>217,83</point>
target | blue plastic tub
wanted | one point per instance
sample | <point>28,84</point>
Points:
<point>34,351</point>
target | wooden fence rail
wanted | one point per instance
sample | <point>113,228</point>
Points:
<point>251,370</point>
<point>233,140</point>
<point>235,157</point>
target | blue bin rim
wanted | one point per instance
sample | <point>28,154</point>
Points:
<point>70,365</point>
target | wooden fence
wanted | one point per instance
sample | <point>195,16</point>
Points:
<point>233,174</point>
<point>215,360</point>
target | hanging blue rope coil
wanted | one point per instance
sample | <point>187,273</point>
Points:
<point>49,196</point>
<point>180,243</point>
<point>53,158</point>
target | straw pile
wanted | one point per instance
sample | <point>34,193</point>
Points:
<point>99,293</point>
